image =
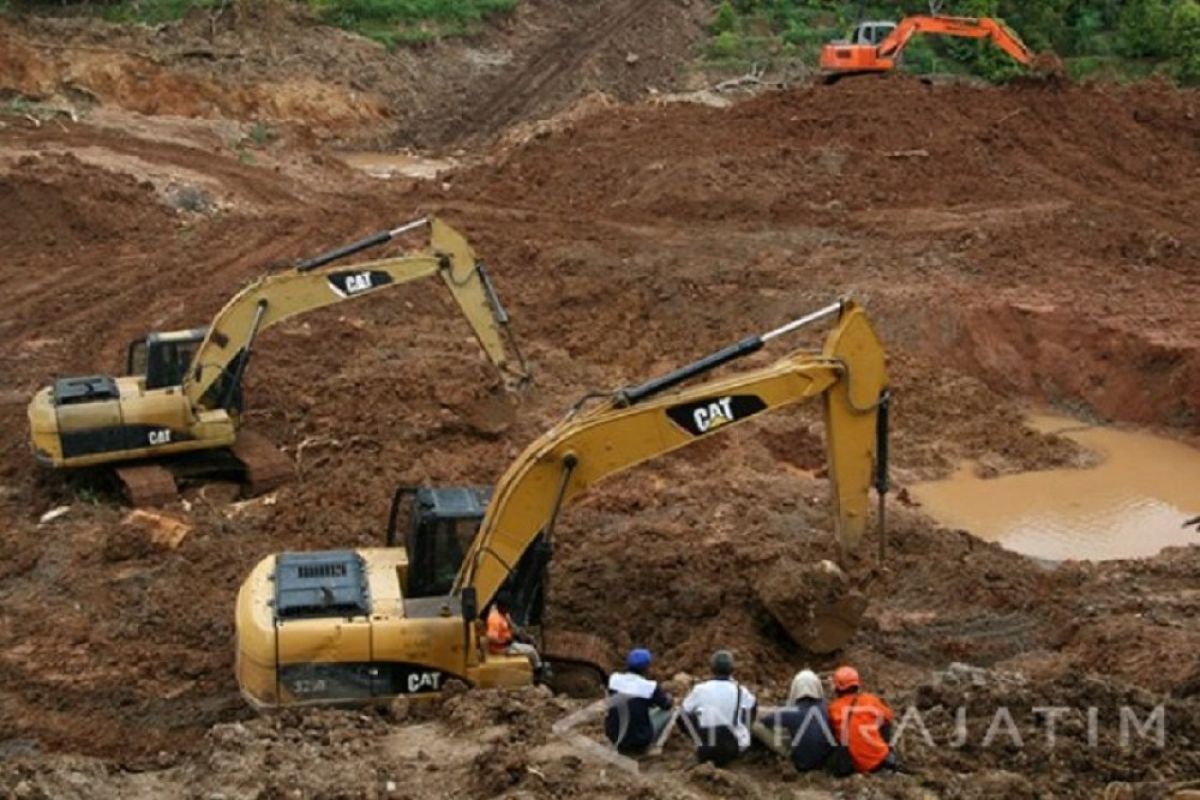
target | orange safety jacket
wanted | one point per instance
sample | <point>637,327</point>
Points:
<point>499,631</point>
<point>863,739</point>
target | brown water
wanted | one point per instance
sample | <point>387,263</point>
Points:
<point>390,165</point>
<point>1131,505</point>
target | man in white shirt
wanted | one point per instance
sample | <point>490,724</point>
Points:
<point>718,713</point>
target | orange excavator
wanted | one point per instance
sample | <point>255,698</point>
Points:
<point>876,46</point>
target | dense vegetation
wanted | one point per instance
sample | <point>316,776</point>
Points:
<point>389,21</point>
<point>1116,38</point>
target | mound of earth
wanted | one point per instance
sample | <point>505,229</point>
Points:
<point>41,198</point>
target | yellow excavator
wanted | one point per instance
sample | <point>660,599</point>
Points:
<point>177,411</point>
<point>355,626</point>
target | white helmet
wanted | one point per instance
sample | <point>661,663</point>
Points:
<point>805,684</point>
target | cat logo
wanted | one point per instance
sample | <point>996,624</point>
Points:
<point>348,284</point>
<point>161,436</point>
<point>714,415</point>
<point>709,414</point>
<point>424,681</point>
<point>358,282</point>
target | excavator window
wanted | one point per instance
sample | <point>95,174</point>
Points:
<point>439,554</point>
<point>135,358</point>
<point>444,523</point>
<point>167,361</point>
<point>872,33</point>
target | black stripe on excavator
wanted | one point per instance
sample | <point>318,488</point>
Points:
<point>358,681</point>
<point>115,438</point>
<point>633,394</point>
<point>218,394</point>
<point>343,251</point>
<point>707,414</point>
<point>352,282</point>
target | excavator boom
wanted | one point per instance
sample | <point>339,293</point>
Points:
<point>219,362</point>
<point>584,449</point>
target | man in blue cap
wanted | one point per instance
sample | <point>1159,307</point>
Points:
<point>639,711</point>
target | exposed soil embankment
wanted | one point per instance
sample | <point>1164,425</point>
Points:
<point>271,62</point>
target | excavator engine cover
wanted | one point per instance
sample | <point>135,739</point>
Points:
<point>86,389</point>
<point>329,583</point>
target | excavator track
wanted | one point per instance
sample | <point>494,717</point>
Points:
<point>580,663</point>
<point>266,467</point>
<point>147,484</point>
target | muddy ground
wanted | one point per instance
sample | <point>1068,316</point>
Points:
<point>1028,246</point>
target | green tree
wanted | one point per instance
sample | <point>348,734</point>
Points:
<point>726,18</point>
<point>1143,29</point>
<point>1184,35</point>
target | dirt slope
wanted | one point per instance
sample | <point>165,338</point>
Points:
<point>1040,249</point>
<point>268,61</point>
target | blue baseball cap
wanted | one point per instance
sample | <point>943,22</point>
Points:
<point>638,658</point>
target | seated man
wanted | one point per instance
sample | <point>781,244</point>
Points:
<point>639,713</point>
<point>502,633</point>
<point>718,713</point>
<point>800,730</point>
<point>862,722</point>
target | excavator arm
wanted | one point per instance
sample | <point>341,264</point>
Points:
<point>221,360</point>
<point>641,423</point>
<point>849,58</point>
<point>966,27</point>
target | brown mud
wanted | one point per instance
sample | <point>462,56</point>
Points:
<point>1029,245</point>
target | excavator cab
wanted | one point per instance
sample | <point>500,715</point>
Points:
<point>871,33</point>
<point>163,358</point>
<point>442,524</point>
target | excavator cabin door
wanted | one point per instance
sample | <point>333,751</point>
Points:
<point>163,358</point>
<point>443,522</point>
<point>872,33</point>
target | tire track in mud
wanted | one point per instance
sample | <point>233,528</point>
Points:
<point>157,279</point>
<point>560,62</point>
<point>261,187</point>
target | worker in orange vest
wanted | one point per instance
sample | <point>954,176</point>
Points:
<point>502,633</point>
<point>862,723</point>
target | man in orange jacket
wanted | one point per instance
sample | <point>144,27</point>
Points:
<point>501,638</point>
<point>862,722</point>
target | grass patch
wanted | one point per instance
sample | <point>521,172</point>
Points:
<point>262,135</point>
<point>1111,68</point>
<point>406,22</point>
<point>392,22</point>
<point>151,12</point>
<point>772,34</point>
